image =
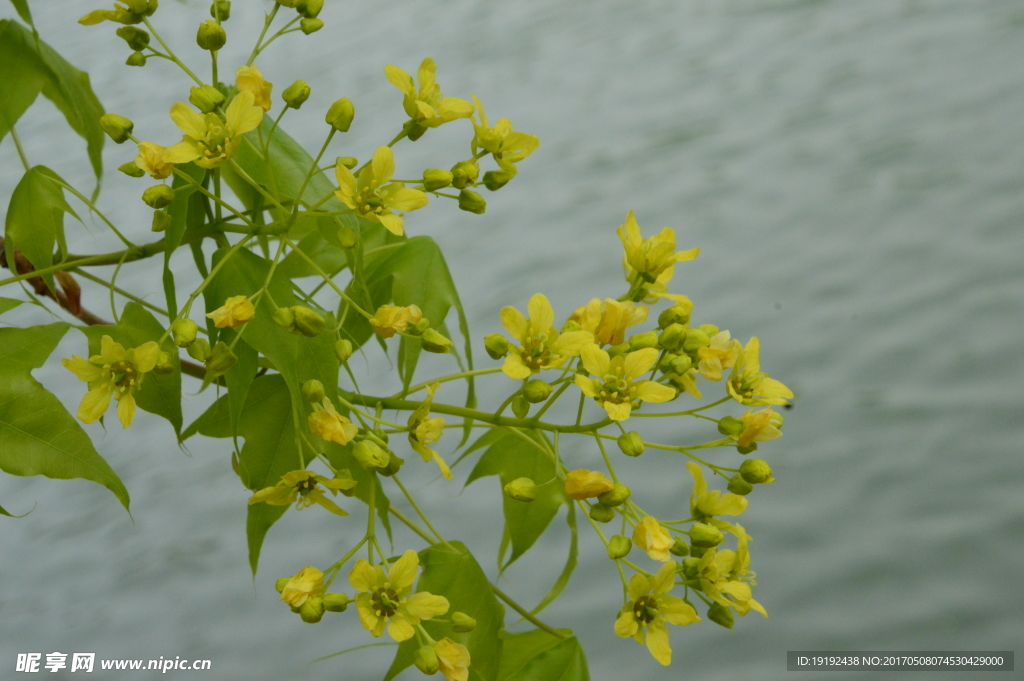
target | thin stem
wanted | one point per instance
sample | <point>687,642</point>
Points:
<point>170,53</point>
<point>449,377</point>
<point>330,282</point>
<point>419,512</point>
<point>525,613</point>
<point>96,210</point>
<point>266,24</point>
<point>21,151</point>
<point>412,525</point>
<point>686,413</point>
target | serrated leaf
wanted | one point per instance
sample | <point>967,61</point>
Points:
<point>37,435</point>
<point>7,304</point>
<point>160,395</point>
<point>538,656</point>
<point>457,576</point>
<point>35,219</point>
<point>509,457</point>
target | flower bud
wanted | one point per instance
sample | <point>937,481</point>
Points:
<point>282,583</point>
<point>522,489</point>
<point>679,548</point>
<point>434,342</point>
<point>620,350</point>
<point>336,602</point>
<point>312,611</point>
<point>158,196</point>
<point>284,317</point>
<point>496,345</point>
<point>296,94</point>
<point>706,536</point>
<point>340,116</point>
<point>464,174</point>
<point>206,98</point>
<point>691,567</point>
<point>436,178</point>
<point>616,496</point>
<point>135,59</point>
<point>747,450</point>
<point>395,463</point>
<point>737,485</point>
<point>419,327</point>
<point>520,407</point>
<point>709,329</point>
<point>462,623</point>
<point>472,202</point>
<point>677,314</point>
<point>676,364</point>
<point>308,322</point>
<point>601,513</point>
<point>137,38</point>
<point>221,9</point>
<point>343,350</point>
<point>673,337</point>
<point>368,455</point>
<point>211,36</point>
<point>695,339</point>
<point>496,179</point>
<point>413,129</point>
<point>536,391</point>
<point>719,614</point>
<point>131,170</point>
<point>288,3</point>
<point>118,127</point>
<point>730,427</point>
<point>348,237</point>
<point>425,660</point>
<point>311,25</point>
<point>164,364</point>
<point>199,350</point>
<point>161,221</point>
<point>619,547</point>
<point>631,443</point>
<point>641,341</point>
<point>756,471</point>
<point>313,391</point>
<point>309,8</point>
<point>221,360</point>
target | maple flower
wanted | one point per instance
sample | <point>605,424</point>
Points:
<point>428,106</point>
<point>386,599</point>
<point>424,430</point>
<point>302,485</point>
<point>327,424</point>
<point>249,79</point>
<point>392,319</point>
<point>210,140</point>
<point>506,146</point>
<point>760,425</point>
<point>651,607</point>
<point>542,347</point>
<point>235,311</point>
<point>151,159</point>
<point>650,258</point>
<point>615,386</point>
<point>307,582</point>
<point>608,319</point>
<point>749,385</point>
<point>650,536</point>
<point>452,659</point>
<point>373,196</point>
<point>114,373</point>
<point>734,578</point>
<point>583,484</point>
<point>721,354</point>
<point>704,503</point>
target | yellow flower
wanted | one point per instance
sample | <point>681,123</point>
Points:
<point>615,387</point>
<point>124,12</point>
<point>608,319</point>
<point>305,583</point>
<point>507,146</point>
<point>249,79</point>
<point>115,373</point>
<point>373,196</point>
<point>651,608</point>
<point>542,347</point>
<point>687,382</point>
<point>385,601</point>
<point>749,385</point>
<point>392,319</point>
<point>302,485</point>
<point>583,484</point>
<point>759,426</point>
<point>734,578</point>
<point>150,159</point>
<point>327,424</point>
<point>452,659</point>
<point>210,140</point>
<point>650,258</point>
<point>428,107</point>
<point>424,430</point>
<point>721,354</point>
<point>235,311</point>
<point>704,503</point>
<point>651,537</point>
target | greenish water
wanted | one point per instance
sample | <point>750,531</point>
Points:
<point>853,174</point>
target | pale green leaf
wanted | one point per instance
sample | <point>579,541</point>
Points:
<point>22,73</point>
<point>187,208</point>
<point>7,304</point>
<point>35,219</point>
<point>538,656</point>
<point>22,7</point>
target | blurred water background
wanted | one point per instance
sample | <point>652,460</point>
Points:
<point>853,174</point>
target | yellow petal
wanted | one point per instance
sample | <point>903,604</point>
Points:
<point>640,362</point>
<point>126,409</point>
<point>625,625</point>
<point>146,356</point>
<point>188,121</point>
<point>83,368</point>
<point>363,576</point>
<point>542,316</point>
<point>392,223</point>
<point>595,360</point>
<point>112,352</point>
<point>319,498</point>
<point>383,165</point>
<point>515,368</point>
<point>95,403</point>
<point>425,605</point>
<point>407,200</point>
<point>657,642</point>
<point>638,586</point>
<point>665,579</point>
<point>650,391</point>
<point>400,79</point>
<point>587,385</point>
<point>242,116</point>
<point>403,572</point>
<point>676,611</point>
<point>400,628</point>
<point>683,256</point>
<point>182,152</point>
<point>515,323</point>
<point>571,343</point>
<point>617,412</point>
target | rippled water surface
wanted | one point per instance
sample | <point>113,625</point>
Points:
<point>853,174</point>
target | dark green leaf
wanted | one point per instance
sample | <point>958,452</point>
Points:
<point>35,219</point>
<point>160,395</point>
<point>37,435</point>
<point>341,458</point>
<point>457,576</point>
<point>184,207</point>
<point>538,656</point>
<point>238,381</point>
<point>7,304</point>
<point>509,457</point>
<point>329,257</point>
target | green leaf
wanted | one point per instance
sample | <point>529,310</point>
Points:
<point>509,457</point>
<point>37,435</point>
<point>457,576</point>
<point>160,395</point>
<point>329,257</point>
<point>22,7</point>
<point>7,304</point>
<point>67,87</point>
<point>570,563</point>
<point>538,656</point>
<point>35,219</point>
<point>182,212</point>
<point>341,458</point>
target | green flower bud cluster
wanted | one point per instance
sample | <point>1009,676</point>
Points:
<point>299,319</point>
<point>206,98</point>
